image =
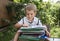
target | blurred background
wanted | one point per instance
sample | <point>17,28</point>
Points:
<point>11,11</point>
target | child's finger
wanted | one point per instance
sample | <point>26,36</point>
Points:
<point>25,25</point>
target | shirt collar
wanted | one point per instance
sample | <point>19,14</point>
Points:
<point>32,21</point>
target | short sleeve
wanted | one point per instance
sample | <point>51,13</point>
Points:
<point>21,21</point>
<point>40,23</point>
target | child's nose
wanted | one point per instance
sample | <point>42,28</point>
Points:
<point>30,16</point>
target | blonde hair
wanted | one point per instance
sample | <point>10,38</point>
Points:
<point>31,7</point>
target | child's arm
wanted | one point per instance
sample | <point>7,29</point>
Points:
<point>20,24</point>
<point>40,24</point>
<point>47,33</point>
<point>17,25</point>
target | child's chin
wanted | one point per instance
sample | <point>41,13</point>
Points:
<point>30,19</point>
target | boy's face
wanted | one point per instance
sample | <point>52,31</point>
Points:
<point>30,14</point>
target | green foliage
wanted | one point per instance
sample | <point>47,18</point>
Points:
<point>8,34</point>
<point>48,13</point>
<point>55,32</point>
<point>45,14</point>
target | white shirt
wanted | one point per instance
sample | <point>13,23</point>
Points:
<point>34,23</point>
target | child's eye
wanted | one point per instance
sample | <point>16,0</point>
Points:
<point>27,14</point>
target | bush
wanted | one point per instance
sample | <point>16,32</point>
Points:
<point>48,13</point>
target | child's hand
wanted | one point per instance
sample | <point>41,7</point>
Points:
<point>47,33</point>
<point>25,25</point>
